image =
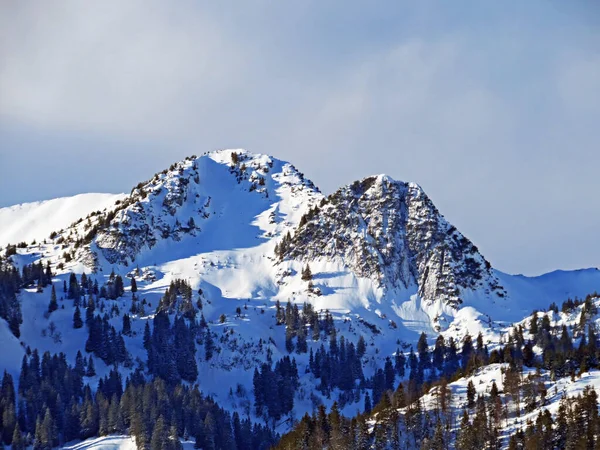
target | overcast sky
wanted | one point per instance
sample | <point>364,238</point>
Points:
<point>492,107</point>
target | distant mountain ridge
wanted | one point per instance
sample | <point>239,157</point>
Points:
<point>36,220</point>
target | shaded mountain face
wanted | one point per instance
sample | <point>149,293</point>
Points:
<point>391,232</point>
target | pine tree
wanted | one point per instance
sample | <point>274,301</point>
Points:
<point>208,345</point>
<point>400,363</point>
<point>77,322</point>
<point>423,351</point>
<point>133,285</point>
<point>361,347</point>
<point>390,374</point>
<point>126,330</point>
<point>465,439</point>
<point>210,431</point>
<point>147,336</point>
<point>159,435</point>
<point>533,324</point>
<point>316,330</point>
<point>439,352</point>
<point>45,433</point>
<point>471,392</point>
<point>306,273</point>
<point>289,344</point>
<point>467,350</point>
<point>91,370</point>
<point>18,443</point>
<point>301,345</point>
<point>368,405</point>
<point>53,306</point>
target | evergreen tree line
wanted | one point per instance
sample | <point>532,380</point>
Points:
<point>104,341</point>
<point>11,282</point>
<point>560,354</point>
<point>296,324</point>
<point>172,348</point>
<point>576,425</point>
<point>336,432</point>
<point>338,367</point>
<point>274,388</point>
<point>36,275</point>
<point>10,307</point>
<point>169,302</point>
<point>76,290</point>
<point>53,406</point>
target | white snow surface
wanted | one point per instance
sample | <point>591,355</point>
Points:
<point>116,442</point>
<point>35,221</point>
<point>230,256</point>
<point>483,379</point>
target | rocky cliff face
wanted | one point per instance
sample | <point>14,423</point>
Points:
<point>223,186</point>
<point>391,232</point>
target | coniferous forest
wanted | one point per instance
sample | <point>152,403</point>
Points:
<point>406,403</point>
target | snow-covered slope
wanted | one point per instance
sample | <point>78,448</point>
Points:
<point>241,228</point>
<point>557,391</point>
<point>113,443</point>
<point>538,292</point>
<point>35,221</point>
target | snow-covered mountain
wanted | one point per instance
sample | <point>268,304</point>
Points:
<point>391,232</point>
<point>244,226</point>
<point>241,229</point>
<point>35,221</point>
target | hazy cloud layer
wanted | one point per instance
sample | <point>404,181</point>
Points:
<point>492,108</point>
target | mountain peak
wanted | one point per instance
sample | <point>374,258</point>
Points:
<point>390,231</point>
<point>194,201</point>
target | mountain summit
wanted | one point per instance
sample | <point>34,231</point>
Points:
<point>391,232</point>
<point>207,203</point>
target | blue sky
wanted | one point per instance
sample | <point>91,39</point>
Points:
<point>493,107</point>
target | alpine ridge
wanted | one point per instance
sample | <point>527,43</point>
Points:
<point>228,286</point>
<point>390,231</point>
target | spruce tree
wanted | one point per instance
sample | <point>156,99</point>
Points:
<point>533,324</point>
<point>306,273</point>
<point>361,347</point>
<point>471,392</point>
<point>91,370</point>
<point>368,405</point>
<point>301,345</point>
<point>439,352</point>
<point>77,322</point>
<point>18,443</point>
<point>423,351</point>
<point>53,306</point>
<point>467,350</point>
<point>119,288</point>
<point>208,345</point>
<point>159,435</point>
<point>126,331</point>
<point>400,363</point>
